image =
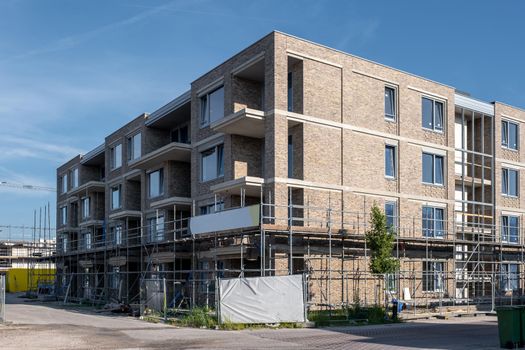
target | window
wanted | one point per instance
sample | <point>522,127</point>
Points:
<point>156,183</point>
<point>432,114</point>
<point>509,277</point>
<point>212,208</point>
<point>509,182</point>
<point>290,92</point>
<point>74,178</point>
<point>115,277</point>
<point>390,103</point>
<point>290,156</point>
<point>155,229</point>
<point>212,106</point>
<point>391,282</point>
<point>64,243</point>
<point>87,240</point>
<point>180,134</point>
<point>116,156</point>
<point>510,229</point>
<point>116,234</point>
<point>509,135</point>
<point>116,197</point>
<point>390,161</point>
<point>212,163</point>
<point>85,207</point>
<point>391,216</point>
<point>433,222</point>
<point>63,215</point>
<point>134,147</point>
<point>433,276</point>
<point>433,169</point>
<point>64,183</point>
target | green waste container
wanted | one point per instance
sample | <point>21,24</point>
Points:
<point>522,326</point>
<point>509,326</point>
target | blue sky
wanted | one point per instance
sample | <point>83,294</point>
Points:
<point>72,72</point>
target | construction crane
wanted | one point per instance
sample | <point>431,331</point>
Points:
<point>26,187</point>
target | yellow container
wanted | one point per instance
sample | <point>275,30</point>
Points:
<point>18,279</point>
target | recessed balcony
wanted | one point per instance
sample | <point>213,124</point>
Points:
<point>90,186</point>
<point>251,185</point>
<point>246,122</point>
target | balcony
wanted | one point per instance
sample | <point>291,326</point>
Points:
<point>90,186</point>
<point>251,185</point>
<point>174,151</point>
<point>246,122</point>
<point>232,219</point>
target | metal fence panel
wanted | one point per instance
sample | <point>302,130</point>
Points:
<point>2,298</point>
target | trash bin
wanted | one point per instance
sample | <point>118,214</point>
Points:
<point>522,325</point>
<point>509,326</point>
<point>394,308</point>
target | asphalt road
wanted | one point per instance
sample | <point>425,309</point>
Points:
<point>35,325</point>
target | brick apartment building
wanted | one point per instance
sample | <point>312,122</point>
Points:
<point>270,164</point>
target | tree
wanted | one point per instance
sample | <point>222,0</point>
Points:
<point>380,240</point>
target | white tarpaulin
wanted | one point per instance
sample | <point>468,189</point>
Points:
<point>262,299</point>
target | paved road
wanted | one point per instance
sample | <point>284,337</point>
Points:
<point>50,326</point>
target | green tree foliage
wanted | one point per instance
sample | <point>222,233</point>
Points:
<point>380,240</point>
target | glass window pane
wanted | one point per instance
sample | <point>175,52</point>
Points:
<point>438,170</point>
<point>428,106</point>
<point>390,161</point>
<point>290,156</point>
<point>209,165</point>
<point>390,109</point>
<point>439,222</point>
<point>118,156</point>
<point>513,229</point>
<point>290,92</point>
<point>427,222</point>
<point>155,183</point>
<point>513,182</point>
<point>504,134</point>
<point>390,213</point>
<point>438,116</point>
<point>204,110</point>
<point>217,104</point>
<point>136,146</point>
<point>505,228</point>
<point>513,136</point>
<point>504,181</point>
<point>428,168</point>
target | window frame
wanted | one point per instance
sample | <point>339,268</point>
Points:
<point>86,213</point>
<point>63,215</point>
<point>435,232</point>
<point>211,208</point>
<point>506,130</point>
<point>290,159</point>
<point>113,151</point>
<point>393,228</point>
<point>112,190</point>
<point>289,91</point>
<point>505,190</point>
<point>161,183</point>
<point>218,150</point>
<point>434,101</point>
<point>65,185</point>
<point>506,277</point>
<point>443,166</point>
<point>156,228</point>
<point>433,275</point>
<point>131,146</point>
<point>205,107</point>
<point>393,161</point>
<point>506,233</point>
<point>74,178</point>
<point>391,117</point>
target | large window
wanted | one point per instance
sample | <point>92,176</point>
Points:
<point>64,183</point>
<point>116,234</point>
<point>510,226</point>
<point>390,161</point>
<point>433,169</point>
<point>290,92</point>
<point>509,277</point>
<point>390,103</point>
<point>212,208</point>
<point>212,106</point>
<point>85,208</point>
<point>74,178</point>
<point>212,163</point>
<point>180,134</point>
<point>509,182</point>
<point>290,156</point>
<point>87,240</point>
<point>156,183</point>
<point>116,197</point>
<point>134,147</point>
<point>509,134</point>
<point>433,276</point>
<point>391,216</point>
<point>155,229</point>
<point>63,215</point>
<point>116,156</point>
<point>433,117</point>
<point>433,222</point>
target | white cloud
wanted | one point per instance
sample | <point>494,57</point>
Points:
<point>14,147</point>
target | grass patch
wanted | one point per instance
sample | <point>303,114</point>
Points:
<point>199,317</point>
